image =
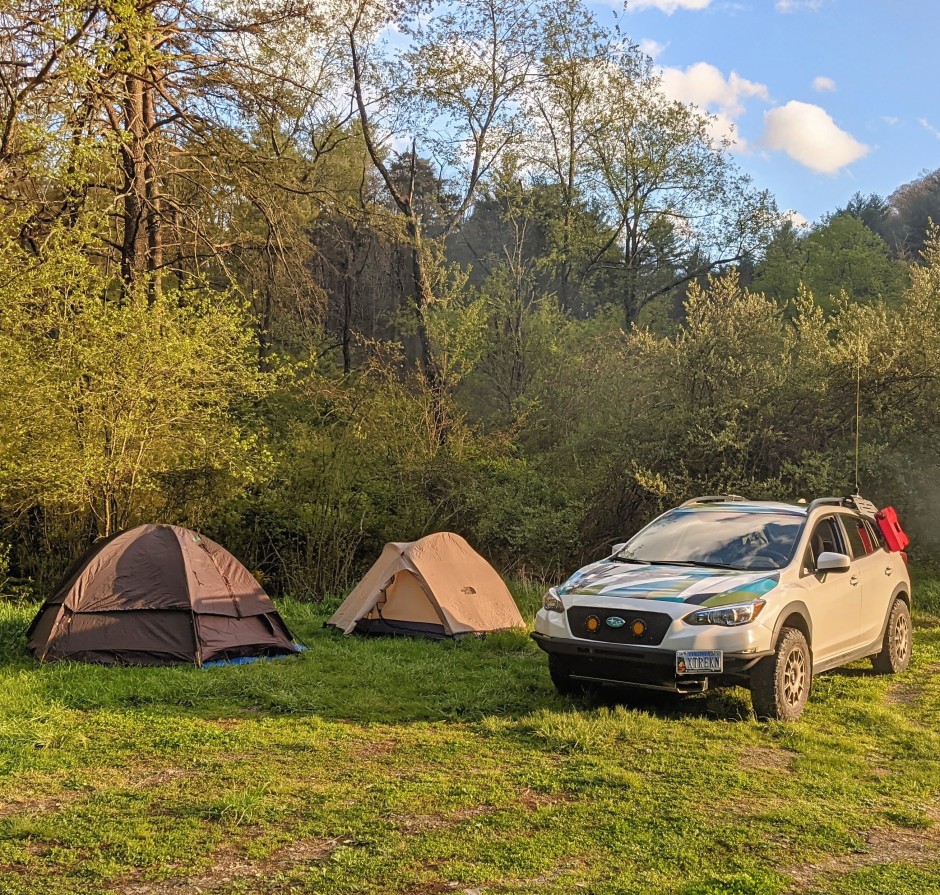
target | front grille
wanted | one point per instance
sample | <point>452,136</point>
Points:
<point>657,623</point>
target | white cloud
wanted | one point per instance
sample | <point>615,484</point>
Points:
<point>890,120</point>
<point>667,6</point>
<point>929,127</point>
<point>800,221</point>
<point>822,84</point>
<point>796,5</point>
<point>651,48</point>
<point>706,87</point>
<point>809,135</point>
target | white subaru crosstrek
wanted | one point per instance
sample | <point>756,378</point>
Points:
<point>723,590</point>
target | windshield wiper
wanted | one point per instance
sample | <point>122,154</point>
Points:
<point>675,562</point>
<point>695,563</point>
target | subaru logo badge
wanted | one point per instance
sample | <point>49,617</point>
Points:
<point>615,621</point>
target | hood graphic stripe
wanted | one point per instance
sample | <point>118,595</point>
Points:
<point>697,586</point>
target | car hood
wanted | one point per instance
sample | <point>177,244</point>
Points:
<point>676,584</point>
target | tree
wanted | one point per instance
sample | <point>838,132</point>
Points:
<point>782,269</point>
<point>872,210</point>
<point>453,89</point>
<point>913,206</point>
<point>843,255</point>
<point>173,130</point>
<point>673,194</point>
<point>566,112</point>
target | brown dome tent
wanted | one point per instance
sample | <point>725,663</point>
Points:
<point>436,587</point>
<point>156,595</point>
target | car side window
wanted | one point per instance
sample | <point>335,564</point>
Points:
<point>824,539</point>
<point>877,538</point>
<point>859,537</point>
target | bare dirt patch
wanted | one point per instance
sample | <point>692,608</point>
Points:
<point>377,749</point>
<point>159,777</point>
<point>230,866</point>
<point>906,694</point>
<point>33,806</point>
<point>882,846</point>
<point>226,723</point>
<point>535,800</point>
<point>902,694</point>
<point>766,758</point>
<point>528,799</point>
<point>422,823</point>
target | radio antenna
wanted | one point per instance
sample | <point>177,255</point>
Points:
<point>858,408</point>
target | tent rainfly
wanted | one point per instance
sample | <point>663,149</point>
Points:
<point>436,587</point>
<point>156,595</point>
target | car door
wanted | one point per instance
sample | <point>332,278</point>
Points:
<point>834,599</point>
<point>871,564</point>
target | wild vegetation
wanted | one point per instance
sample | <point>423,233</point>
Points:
<point>311,278</point>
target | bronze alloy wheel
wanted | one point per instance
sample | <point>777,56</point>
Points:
<point>781,683</point>
<point>902,636</point>
<point>794,677</point>
<point>895,653</point>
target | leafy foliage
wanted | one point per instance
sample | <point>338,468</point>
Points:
<point>119,411</point>
<point>265,273</point>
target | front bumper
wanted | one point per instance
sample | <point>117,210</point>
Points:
<point>649,667</point>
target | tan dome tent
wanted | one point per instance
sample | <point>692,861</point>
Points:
<point>155,595</point>
<point>436,587</point>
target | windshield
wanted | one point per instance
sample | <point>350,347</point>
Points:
<point>720,537</point>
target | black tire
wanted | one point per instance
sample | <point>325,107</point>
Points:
<point>781,683</point>
<point>898,641</point>
<point>560,671</point>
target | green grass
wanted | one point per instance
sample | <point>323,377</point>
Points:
<point>397,766</point>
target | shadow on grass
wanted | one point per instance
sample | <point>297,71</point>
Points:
<point>720,704</point>
<point>854,671</point>
<point>353,679</point>
<point>366,681</point>
<point>338,678</point>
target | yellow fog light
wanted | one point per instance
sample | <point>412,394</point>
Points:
<point>592,623</point>
<point>638,627</point>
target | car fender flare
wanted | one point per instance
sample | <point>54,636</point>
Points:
<point>902,588</point>
<point>797,607</point>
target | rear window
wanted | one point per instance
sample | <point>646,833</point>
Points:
<point>877,538</point>
<point>860,537</point>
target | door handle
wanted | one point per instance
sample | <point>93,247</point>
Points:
<point>853,581</point>
<point>889,571</point>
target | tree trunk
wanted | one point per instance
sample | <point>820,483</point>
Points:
<point>152,197</point>
<point>347,318</point>
<point>133,246</point>
<point>267,314</point>
<point>423,297</point>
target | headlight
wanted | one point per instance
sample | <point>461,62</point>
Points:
<point>729,616</point>
<point>552,602</point>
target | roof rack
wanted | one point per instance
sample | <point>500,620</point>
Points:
<point>825,502</point>
<point>853,502</point>
<point>713,498</point>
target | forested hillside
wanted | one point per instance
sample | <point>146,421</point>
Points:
<point>311,277</point>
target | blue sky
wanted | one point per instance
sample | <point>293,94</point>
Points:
<point>828,97</point>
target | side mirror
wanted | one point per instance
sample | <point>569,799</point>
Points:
<point>617,548</point>
<point>833,562</point>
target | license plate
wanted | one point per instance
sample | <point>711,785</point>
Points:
<point>695,661</point>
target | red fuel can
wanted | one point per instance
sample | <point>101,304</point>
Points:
<point>894,535</point>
